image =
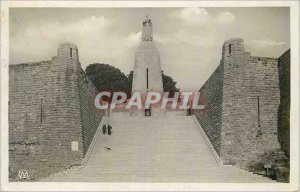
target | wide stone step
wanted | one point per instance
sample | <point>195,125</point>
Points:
<point>149,149</point>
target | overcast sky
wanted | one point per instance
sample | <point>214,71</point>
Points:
<point>189,39</point>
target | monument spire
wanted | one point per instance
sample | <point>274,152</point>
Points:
<point>147,76</point>
<point>147,29</point>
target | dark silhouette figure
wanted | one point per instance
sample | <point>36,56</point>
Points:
<point>109,128</point>
<point>104,129</point>
<point>275,170</point>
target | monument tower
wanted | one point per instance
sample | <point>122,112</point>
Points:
<point>147,75</point>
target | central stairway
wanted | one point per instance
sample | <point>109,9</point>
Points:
<point>149,149</point>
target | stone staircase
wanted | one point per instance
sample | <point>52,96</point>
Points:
<point>149,149</point>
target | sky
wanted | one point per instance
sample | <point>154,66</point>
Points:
<point>189,39</point>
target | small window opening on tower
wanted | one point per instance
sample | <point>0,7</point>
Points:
<point>70,52</point>
<point>147,83</point>
<point>259,130</point>
<point>258,112</point>
<point>41,111</point>
<point>229,48</point>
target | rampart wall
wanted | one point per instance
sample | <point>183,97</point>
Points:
<point>284,67</point>
<point>49,106</point>
<point>241,99</point>
<point>211,117</point>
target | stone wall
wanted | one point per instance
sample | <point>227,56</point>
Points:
<point>250,104</point>
<point>90,117</point>
<point>211,117</point>
<point>284,67</point>
<point>249,89</point>
<point>45,115</point>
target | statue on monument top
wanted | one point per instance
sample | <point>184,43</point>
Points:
<point>147,30</point>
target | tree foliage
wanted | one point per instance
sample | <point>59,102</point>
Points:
<point>108,78</point>
<point>169,84</point>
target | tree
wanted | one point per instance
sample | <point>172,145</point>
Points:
<point>107,78</point>
<point>130,79</point>
<point>169,84</point>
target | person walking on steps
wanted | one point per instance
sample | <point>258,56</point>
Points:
<point>104,129</point>
<point>109,128</point>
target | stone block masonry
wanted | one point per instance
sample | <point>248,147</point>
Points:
<point>90,117</point>
<point>52,118</point>
<point>241,98</point>
<point>284,67</point>
<point>211,116</point>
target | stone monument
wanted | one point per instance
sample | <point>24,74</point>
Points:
<point>147,75</point>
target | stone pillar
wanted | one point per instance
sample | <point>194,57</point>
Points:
<point>147,57</point>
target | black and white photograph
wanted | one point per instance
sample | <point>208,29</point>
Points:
<point>146,96</point>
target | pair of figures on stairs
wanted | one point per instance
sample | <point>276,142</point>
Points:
<point>106,129</point>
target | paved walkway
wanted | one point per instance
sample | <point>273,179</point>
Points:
<point>148,149</point>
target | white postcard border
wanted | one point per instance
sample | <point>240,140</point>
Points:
<point>76,186</point>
